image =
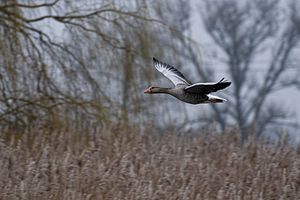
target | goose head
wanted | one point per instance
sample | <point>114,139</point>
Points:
<point>152,90</point>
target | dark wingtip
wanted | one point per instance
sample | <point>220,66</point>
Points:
<point>223,85</point>
<point>227,83</point>
<point>154,59</point>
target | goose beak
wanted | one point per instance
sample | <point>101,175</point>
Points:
<point>147,91</point>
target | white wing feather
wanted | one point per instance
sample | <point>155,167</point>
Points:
<point>170,72</point>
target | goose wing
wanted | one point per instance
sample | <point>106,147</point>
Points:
<point>170,72</point>
<point>206,88</point>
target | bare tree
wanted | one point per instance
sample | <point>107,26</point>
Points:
<point>243,32</point>
<point>42,76</point>
<point>92,68</point>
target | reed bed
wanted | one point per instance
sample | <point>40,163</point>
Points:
<point>116,162</point>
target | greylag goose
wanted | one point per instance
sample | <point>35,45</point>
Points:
<point>184,90</point>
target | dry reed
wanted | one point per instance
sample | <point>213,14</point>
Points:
<point>125,163</point>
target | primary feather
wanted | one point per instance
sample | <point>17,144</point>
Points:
<point>207,88</point>
<point>170,72</point>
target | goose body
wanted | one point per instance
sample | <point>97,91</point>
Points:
<point>184,90</point>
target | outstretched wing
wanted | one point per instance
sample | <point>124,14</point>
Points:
<point>170,72</point>
<point>206,88</point>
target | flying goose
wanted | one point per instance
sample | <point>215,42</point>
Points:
<point>184,90</point>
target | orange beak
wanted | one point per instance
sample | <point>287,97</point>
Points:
<point>148,90</point>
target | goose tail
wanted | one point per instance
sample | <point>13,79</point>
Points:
<point>215,99</point>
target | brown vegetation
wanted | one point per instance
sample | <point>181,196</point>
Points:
<point>118,162</point>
